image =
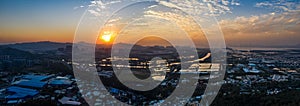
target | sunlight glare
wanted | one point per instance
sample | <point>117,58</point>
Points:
<point>107,36</point>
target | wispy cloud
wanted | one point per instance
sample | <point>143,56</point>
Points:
<point>278,27</point>
<point>266,29</point>
<point>262,24</point>
<point>281,5</point>
<point>103,4</point>
<point>215,7</point>
<point>282,20</point>
<point>77,7</point>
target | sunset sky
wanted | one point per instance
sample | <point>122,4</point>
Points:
<point>244,23</point>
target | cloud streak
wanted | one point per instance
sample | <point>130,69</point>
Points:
<point>215,7</point>
<point>281,5</point>
<point>266,29</point>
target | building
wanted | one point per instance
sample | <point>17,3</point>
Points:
<point>61,82</point>
<point>33,84</point>
<point>16,93</point>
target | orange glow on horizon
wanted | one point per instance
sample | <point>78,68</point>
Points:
<point>106,37</point>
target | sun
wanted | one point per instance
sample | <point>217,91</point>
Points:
<point>107,36</point>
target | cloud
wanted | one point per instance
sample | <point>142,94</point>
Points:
<point>182,20</point>
<point>103,4</point>
<point>200,7</point>
<point>94,12</point>
<point>215,7</point>
<point>281,5</point>
<point>114,20</point>
<point>279,27</point>
<point>262,23</point>
<point>153,6</point>
<point>266,29</point>
<point>77,7</point>
<point>169,4</point>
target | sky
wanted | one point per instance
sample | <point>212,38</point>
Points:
<point>254,23</point>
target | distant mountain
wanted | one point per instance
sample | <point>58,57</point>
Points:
<point>44,46</point>
<point>251,47</point>
<point>38,46</point>
<point>4,50</point>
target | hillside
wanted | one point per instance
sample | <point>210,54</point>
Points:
<point>38,46</point>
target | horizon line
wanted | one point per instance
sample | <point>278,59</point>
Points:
<point>230,46</point>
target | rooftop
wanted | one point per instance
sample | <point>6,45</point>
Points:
<point>20,93</point>
<point>37,77</point>
<point>31,83</point>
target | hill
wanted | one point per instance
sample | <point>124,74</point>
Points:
<point>38,46</point>
<point>4,50</point>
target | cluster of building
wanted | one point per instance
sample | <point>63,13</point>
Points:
<point>263,72</point>
<point>22,88</point>
<point>253,72</point>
